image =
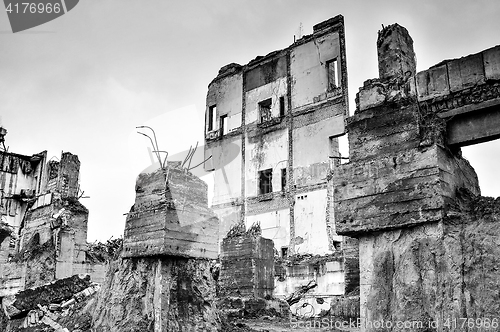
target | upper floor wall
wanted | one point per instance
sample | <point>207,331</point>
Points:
<point>311,70</point>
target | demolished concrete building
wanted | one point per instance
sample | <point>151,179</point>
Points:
<point>47,237</point>
<point>427,241</point>
<point>271,139</point>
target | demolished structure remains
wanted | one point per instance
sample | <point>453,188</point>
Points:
<point>271,140</point>
<point>427,241</point>
<point>288,222</point>
<point>44,235</point>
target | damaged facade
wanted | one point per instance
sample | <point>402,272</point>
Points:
<point>428,242</point>
<point>47,225</point>
<point>271,132</point>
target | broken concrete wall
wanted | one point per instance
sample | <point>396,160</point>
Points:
<point>455,75</point>
<point>64,175</point>
<point>465,92</point>
<point>412,203</point>
<point>171,216</point>
<point>62,225</point>
<point>275,225</point>
<point>50,228</point>
<point>40,260</point>
<point>429,273</point>
<point>247,267</point>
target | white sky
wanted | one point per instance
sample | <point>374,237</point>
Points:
<point>83,82</point>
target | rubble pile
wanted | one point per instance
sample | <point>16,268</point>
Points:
<point>239,229</point>
<point>98,252</point>
<point>48,307</point>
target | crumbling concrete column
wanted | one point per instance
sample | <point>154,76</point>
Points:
<point>396,57</point>
<point>64,175</point>
<point>164,281</point>
<point>247,267</point>
<point>395,195</point>
<point>171,217</point>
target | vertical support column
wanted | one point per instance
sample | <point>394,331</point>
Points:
<point>243,145</point>
<point>396,57</point>
<point>394,196</point>
<point>289,123</point>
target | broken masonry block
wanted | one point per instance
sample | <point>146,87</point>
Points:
<point>171,216</point>
<point>55,292</point>
<point>247,266</point>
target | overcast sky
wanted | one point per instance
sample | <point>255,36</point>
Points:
<point>83,82</point>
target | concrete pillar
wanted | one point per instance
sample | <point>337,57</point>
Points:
<point>395,195</point>
<point>396,57</point>
<point>69,174</point>
<point>247,267</point>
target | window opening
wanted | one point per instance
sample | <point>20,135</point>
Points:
<point>265,181</point>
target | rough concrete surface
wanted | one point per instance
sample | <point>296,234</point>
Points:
<point>436,273</point>
<point>157,294</point>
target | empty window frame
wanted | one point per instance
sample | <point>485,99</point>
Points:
<point>333,143</point>
<point>223,125</point>
<point>284,252</point>
<point>282,106</point>
<point>334,152</point>
<point>265,110</point>
<point>211,117</point>
<point>283,179</point>
<point>332,73</point>
<point>266,181</point>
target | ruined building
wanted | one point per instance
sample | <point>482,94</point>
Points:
<point>163,282</point>
<point>428,243</point>
<point>44,226</point>
<point>271,136</point>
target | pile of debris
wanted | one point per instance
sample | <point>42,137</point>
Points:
<point>240,230</point>
<point>296,296</point>
<point>47,307</point>
<point>99,252</point>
